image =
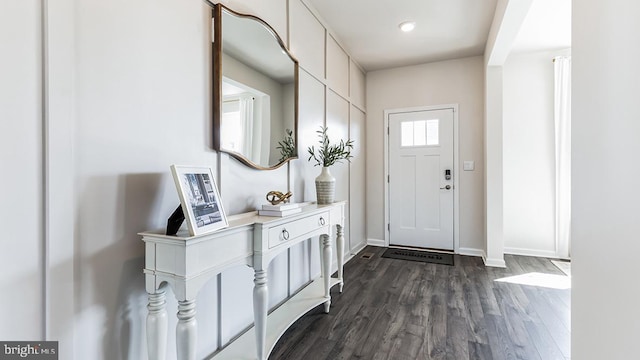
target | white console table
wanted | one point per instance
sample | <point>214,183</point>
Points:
<point>186,263</point>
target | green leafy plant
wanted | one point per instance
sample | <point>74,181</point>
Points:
<point>287,146</point>
<point>327,154</point>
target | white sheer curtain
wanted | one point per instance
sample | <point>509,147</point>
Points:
<point>246,114</point>
<point>562,115</point>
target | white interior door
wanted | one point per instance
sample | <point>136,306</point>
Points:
<point>421,179</point>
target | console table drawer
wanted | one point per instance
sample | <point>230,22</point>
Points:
<point>287,232</point>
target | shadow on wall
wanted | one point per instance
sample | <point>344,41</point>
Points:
<point>127,334</point>
<point>110,288</point>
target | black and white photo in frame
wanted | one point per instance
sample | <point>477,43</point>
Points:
<point>199,198</point>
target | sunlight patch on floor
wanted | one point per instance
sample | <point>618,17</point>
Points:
<point>564,266</point>
<point>539,279</point>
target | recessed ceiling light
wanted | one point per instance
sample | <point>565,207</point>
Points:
<point>407,26</point>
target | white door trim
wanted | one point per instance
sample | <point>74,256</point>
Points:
<point>456,169</point>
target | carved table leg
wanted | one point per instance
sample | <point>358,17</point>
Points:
<point>321,246</point>
<point>326,270</point>
<point>340,250</point>
<point>186,330</point>
<point>260,292</point>
<point>157,326</point>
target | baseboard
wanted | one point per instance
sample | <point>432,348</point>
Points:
<point>376,242</point>
<point>471,252</point>
<point>494,262</point>
<point>530,252</point>
<point>358,248</point>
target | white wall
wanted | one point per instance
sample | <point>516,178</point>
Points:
<point>529,160</point>
<point>447,82</point>
<point>129,95</point>
<point>606,197</point>
<point>506,23</point>
<point>22,183</point>
<point>142,103</point>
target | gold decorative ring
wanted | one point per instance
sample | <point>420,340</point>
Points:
<point>276,197</point>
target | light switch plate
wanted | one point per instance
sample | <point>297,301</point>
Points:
<point>469,165</point>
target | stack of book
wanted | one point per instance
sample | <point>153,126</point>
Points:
<point>280,209</point>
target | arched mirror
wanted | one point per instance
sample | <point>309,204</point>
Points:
<point>255,91</point>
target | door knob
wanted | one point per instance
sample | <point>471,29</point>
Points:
<point>448,187</point>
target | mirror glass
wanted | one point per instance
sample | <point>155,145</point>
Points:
<point>257,83</point>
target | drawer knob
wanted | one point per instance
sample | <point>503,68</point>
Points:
<point>285,234</point>
<point>322,222</point>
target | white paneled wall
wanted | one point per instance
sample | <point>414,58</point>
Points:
<point>327,78</point>
<point>337,68</point>
<point>311,117</point>
<point>237,306</point>
<point>307,39</point>
<point>338,128</point>
<point>130,94</point>
<point>357,195</point>
<point>358,86</point>
<point>322,100</point>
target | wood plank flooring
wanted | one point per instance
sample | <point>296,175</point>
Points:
<point>398,309</point>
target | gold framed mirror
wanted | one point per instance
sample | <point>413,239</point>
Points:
<point>255,91</point>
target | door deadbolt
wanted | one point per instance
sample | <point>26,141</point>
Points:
<point>447,174</point>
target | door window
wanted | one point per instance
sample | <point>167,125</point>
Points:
<point>420,133</point>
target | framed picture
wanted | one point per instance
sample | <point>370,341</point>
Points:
<point>199,198</point>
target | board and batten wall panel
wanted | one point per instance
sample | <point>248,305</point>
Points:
<point>357,86</point>
<point>357,194</point>
<point>299,265</point>
<point>237,302</point>
<point>21,184</point>
<point>307,39</point>
<point>208,318</point>
<point>337,129</point>
<point>147,108</point>
<point>311,117</point>
<point>337,68</point>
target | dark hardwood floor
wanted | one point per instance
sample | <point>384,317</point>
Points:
<point>398,309</point>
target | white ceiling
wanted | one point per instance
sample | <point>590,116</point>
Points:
<point>546,27</point>
<point>445,29</point>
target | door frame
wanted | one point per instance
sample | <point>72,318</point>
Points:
<point>456,169</point>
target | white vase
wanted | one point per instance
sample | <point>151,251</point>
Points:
<point>325,187</point>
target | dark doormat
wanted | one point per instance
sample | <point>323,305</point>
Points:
<point>422,256</point>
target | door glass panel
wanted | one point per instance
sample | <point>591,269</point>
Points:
<point>406,133</point>
<point>433,137</point>
<point>419,133</point>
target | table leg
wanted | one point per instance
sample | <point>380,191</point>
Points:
<point>340,250</point>
<point>326,270</point>
<point>260,294</point>
<point>157,326</point>
<point>321,246</point>
<point>186,330</point>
